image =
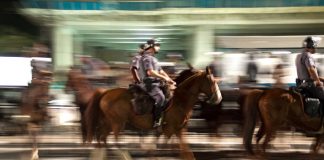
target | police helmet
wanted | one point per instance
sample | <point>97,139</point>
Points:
<point>152,43</point>
<point>142,46</point>
<point>311,42</point>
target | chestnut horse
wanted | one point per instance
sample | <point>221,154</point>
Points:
<point>116,108</point>
<point>277,108</point>
<point>83,92</point>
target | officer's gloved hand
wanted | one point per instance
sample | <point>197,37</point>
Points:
<point>170,81</point>
<point>318,83</point>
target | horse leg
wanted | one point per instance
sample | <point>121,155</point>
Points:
<point>259,135</point>
<point>99,153</point>
<point>103,133</point>
<point>269,132</point>
<point>116,128</point>
<point>33,129</point>
<point>317,144</point>
<point>185,151</point>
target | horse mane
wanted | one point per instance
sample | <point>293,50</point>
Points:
<point>183,85</point>
<point>186,82</point>
<point>185,74</point>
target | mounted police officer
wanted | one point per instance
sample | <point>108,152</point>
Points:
<point>307,70</point>
<point>135,65</point>
<point>153,74</point>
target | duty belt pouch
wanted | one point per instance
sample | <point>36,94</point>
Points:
<point>148,84</point>
<point>312,107</point>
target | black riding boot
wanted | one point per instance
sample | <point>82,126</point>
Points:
<point>157,116</point>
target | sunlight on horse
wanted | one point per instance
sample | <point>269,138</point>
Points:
<point>114,107</point>
<point>277,107</point>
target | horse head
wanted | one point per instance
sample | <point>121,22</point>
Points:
<point>201,82</point>
<point>73,79</point>
<point>210,87</point>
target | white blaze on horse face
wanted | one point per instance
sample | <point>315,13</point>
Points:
<point>216,96</point>
<point>218,93</point>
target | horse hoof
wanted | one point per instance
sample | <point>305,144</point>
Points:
<point>34,155</point>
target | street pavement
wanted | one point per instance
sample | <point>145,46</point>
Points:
<point>227,146</point>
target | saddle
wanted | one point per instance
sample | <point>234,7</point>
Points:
<point>142,102</point>
<point>312,105</point>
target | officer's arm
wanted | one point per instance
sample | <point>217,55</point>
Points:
<point>135,75</point>
<point>164,74</point>
<point>313,73</point>
<point>156,74</point>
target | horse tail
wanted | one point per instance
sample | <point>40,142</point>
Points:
<point>250,115</point>
<point>92,115</point>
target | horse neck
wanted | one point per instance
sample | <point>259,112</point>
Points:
<point>184,75</point>
<point>187,92</point>
<point>83,85</point>
<point>84,90</point>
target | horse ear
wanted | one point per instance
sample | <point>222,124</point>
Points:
<point>190,66</point>
<point>208,70</point>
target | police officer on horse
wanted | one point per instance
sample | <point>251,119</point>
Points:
<point>307,73</point>
<point>152,77</point>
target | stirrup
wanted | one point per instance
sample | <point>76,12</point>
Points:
<point>157,123</point>
<point>321,130</point>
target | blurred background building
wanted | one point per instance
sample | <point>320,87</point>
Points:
<point>110,30</point>
<point>248,43</point>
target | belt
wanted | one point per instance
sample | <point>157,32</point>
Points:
<point>308,82</point>
<point>150,80</point>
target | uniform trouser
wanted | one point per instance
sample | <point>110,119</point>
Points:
<point>159,98</point>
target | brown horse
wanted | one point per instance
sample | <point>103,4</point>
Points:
<point>34,110</point>
<point>277,107</point>
<point>115,107</point>
<point>34,102</point>
<point>83,91</point>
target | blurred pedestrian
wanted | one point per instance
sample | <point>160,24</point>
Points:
<point>278,75</point>
<point>252,69</point>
